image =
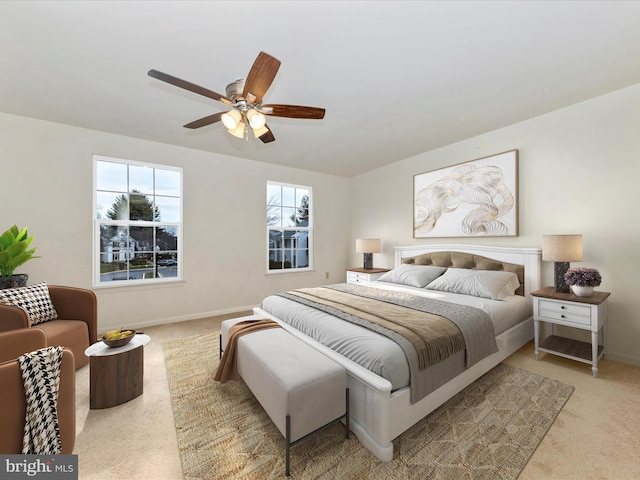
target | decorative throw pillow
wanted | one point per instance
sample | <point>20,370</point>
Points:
<point>478,283</point>
<point>413,275</point>
<point>34,299</point>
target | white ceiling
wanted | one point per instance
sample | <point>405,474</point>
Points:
<point>396,78</point>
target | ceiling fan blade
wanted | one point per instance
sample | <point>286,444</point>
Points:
<point>293,111</point>
<point>268,136</point>
<point>192,87</point>
<point>203,122</point>
<point>261,76</point>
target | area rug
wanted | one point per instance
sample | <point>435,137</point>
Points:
<point>487,431</point>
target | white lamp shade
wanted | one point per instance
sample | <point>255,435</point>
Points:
<point>562,248</point>
<point>238,131</point>
<point>258,132</point>
<point>368,245</point>
<point>231,119</point>
<point>256,119</point>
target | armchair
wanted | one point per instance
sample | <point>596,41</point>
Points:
<point>13,404</point>
<point>77,327</point>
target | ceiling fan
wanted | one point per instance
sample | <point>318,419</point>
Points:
<point>244,96</point>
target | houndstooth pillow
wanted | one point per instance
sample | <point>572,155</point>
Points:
<point>34,299</point>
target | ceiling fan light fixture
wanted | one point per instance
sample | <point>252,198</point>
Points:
<point>256,119</point>
<point>231,119</point>
<point>245,100</point>
<point>258,132</point>
<point>238,131</point>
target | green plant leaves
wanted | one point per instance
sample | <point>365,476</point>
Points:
<point>13,250</point>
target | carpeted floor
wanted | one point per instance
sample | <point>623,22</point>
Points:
<point>488,431</point>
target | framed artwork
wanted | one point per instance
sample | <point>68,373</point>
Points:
<point>478,198</point>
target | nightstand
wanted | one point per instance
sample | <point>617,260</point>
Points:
<point>569,310</point>
<point>357,275</point>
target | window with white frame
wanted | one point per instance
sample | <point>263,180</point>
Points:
<point>289,227</point>
<point>138,215</point>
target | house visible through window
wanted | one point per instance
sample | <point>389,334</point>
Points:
<point>138,211</point>
<point>289,227</point>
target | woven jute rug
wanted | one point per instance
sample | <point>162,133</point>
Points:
<point>487,431</point>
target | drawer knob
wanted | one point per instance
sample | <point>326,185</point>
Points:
<point>562,307</point>
<point>561,316</point>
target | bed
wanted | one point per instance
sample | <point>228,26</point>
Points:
<point>387,398</point>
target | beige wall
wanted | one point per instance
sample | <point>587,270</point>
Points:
<point>579,173</point>
<point>47,171</point>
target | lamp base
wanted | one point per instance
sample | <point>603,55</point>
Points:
<point>368,261</point>
<point>560,268</point>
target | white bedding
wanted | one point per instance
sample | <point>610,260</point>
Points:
<point>380,354</point>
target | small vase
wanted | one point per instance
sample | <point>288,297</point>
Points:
<point>582,291</point>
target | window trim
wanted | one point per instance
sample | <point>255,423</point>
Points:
<point>308,229</point>
<point>96,251</point>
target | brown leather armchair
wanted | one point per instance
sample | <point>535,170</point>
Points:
<point>77,327</point>
<point>12,397</point>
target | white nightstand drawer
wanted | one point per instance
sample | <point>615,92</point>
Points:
<point>564,316</point>
<point>565,307</point>
<point>359,275</point>
<point>556,311</point>
<point>355,277</point>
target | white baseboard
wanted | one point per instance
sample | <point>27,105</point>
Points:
<point>180,318</point>
<point>622,358</point>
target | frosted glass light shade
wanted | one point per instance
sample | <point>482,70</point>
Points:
<point>256,119</point>
<point>368,245</point>
<point>238,131</point>
<point>562,248</point>
<point>231,119</point>
<point>258,132</point>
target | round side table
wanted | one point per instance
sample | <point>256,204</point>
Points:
<point>116,373</point>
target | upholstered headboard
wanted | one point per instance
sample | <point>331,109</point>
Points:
<point>524,262</point>
<point>468,260</point>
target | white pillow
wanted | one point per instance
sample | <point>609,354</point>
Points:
<point>412,275</point>
<point>478,283</point>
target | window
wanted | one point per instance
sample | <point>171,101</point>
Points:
<point>138,212</point>
<point>289,227</point>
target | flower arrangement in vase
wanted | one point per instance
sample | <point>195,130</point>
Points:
<point>582,280</point>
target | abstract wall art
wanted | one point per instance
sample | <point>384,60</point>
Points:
<point>478,198</point>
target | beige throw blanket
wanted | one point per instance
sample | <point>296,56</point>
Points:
<point>433,336</point>
<point>227,369</point>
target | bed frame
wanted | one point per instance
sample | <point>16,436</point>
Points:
<point>378,415</point>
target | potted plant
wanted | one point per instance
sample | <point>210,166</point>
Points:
<point>14,251</point>
<point>582,280</point>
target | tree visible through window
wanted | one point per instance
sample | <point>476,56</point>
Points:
<point>289,227</point>
<point>138,212</point>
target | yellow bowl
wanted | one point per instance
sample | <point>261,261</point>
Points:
<point>120,342</point>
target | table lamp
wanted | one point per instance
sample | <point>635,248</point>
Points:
<point>561,249</point>
<point>368,246</point>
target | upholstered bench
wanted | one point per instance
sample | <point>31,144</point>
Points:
<point>301,389</point>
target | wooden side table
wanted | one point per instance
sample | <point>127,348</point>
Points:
<point>116,374</point>
<point>357,275</point>
<point>569,310</point>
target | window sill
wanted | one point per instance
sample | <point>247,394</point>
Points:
<point>289,271</point>
<point>138,285</point>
